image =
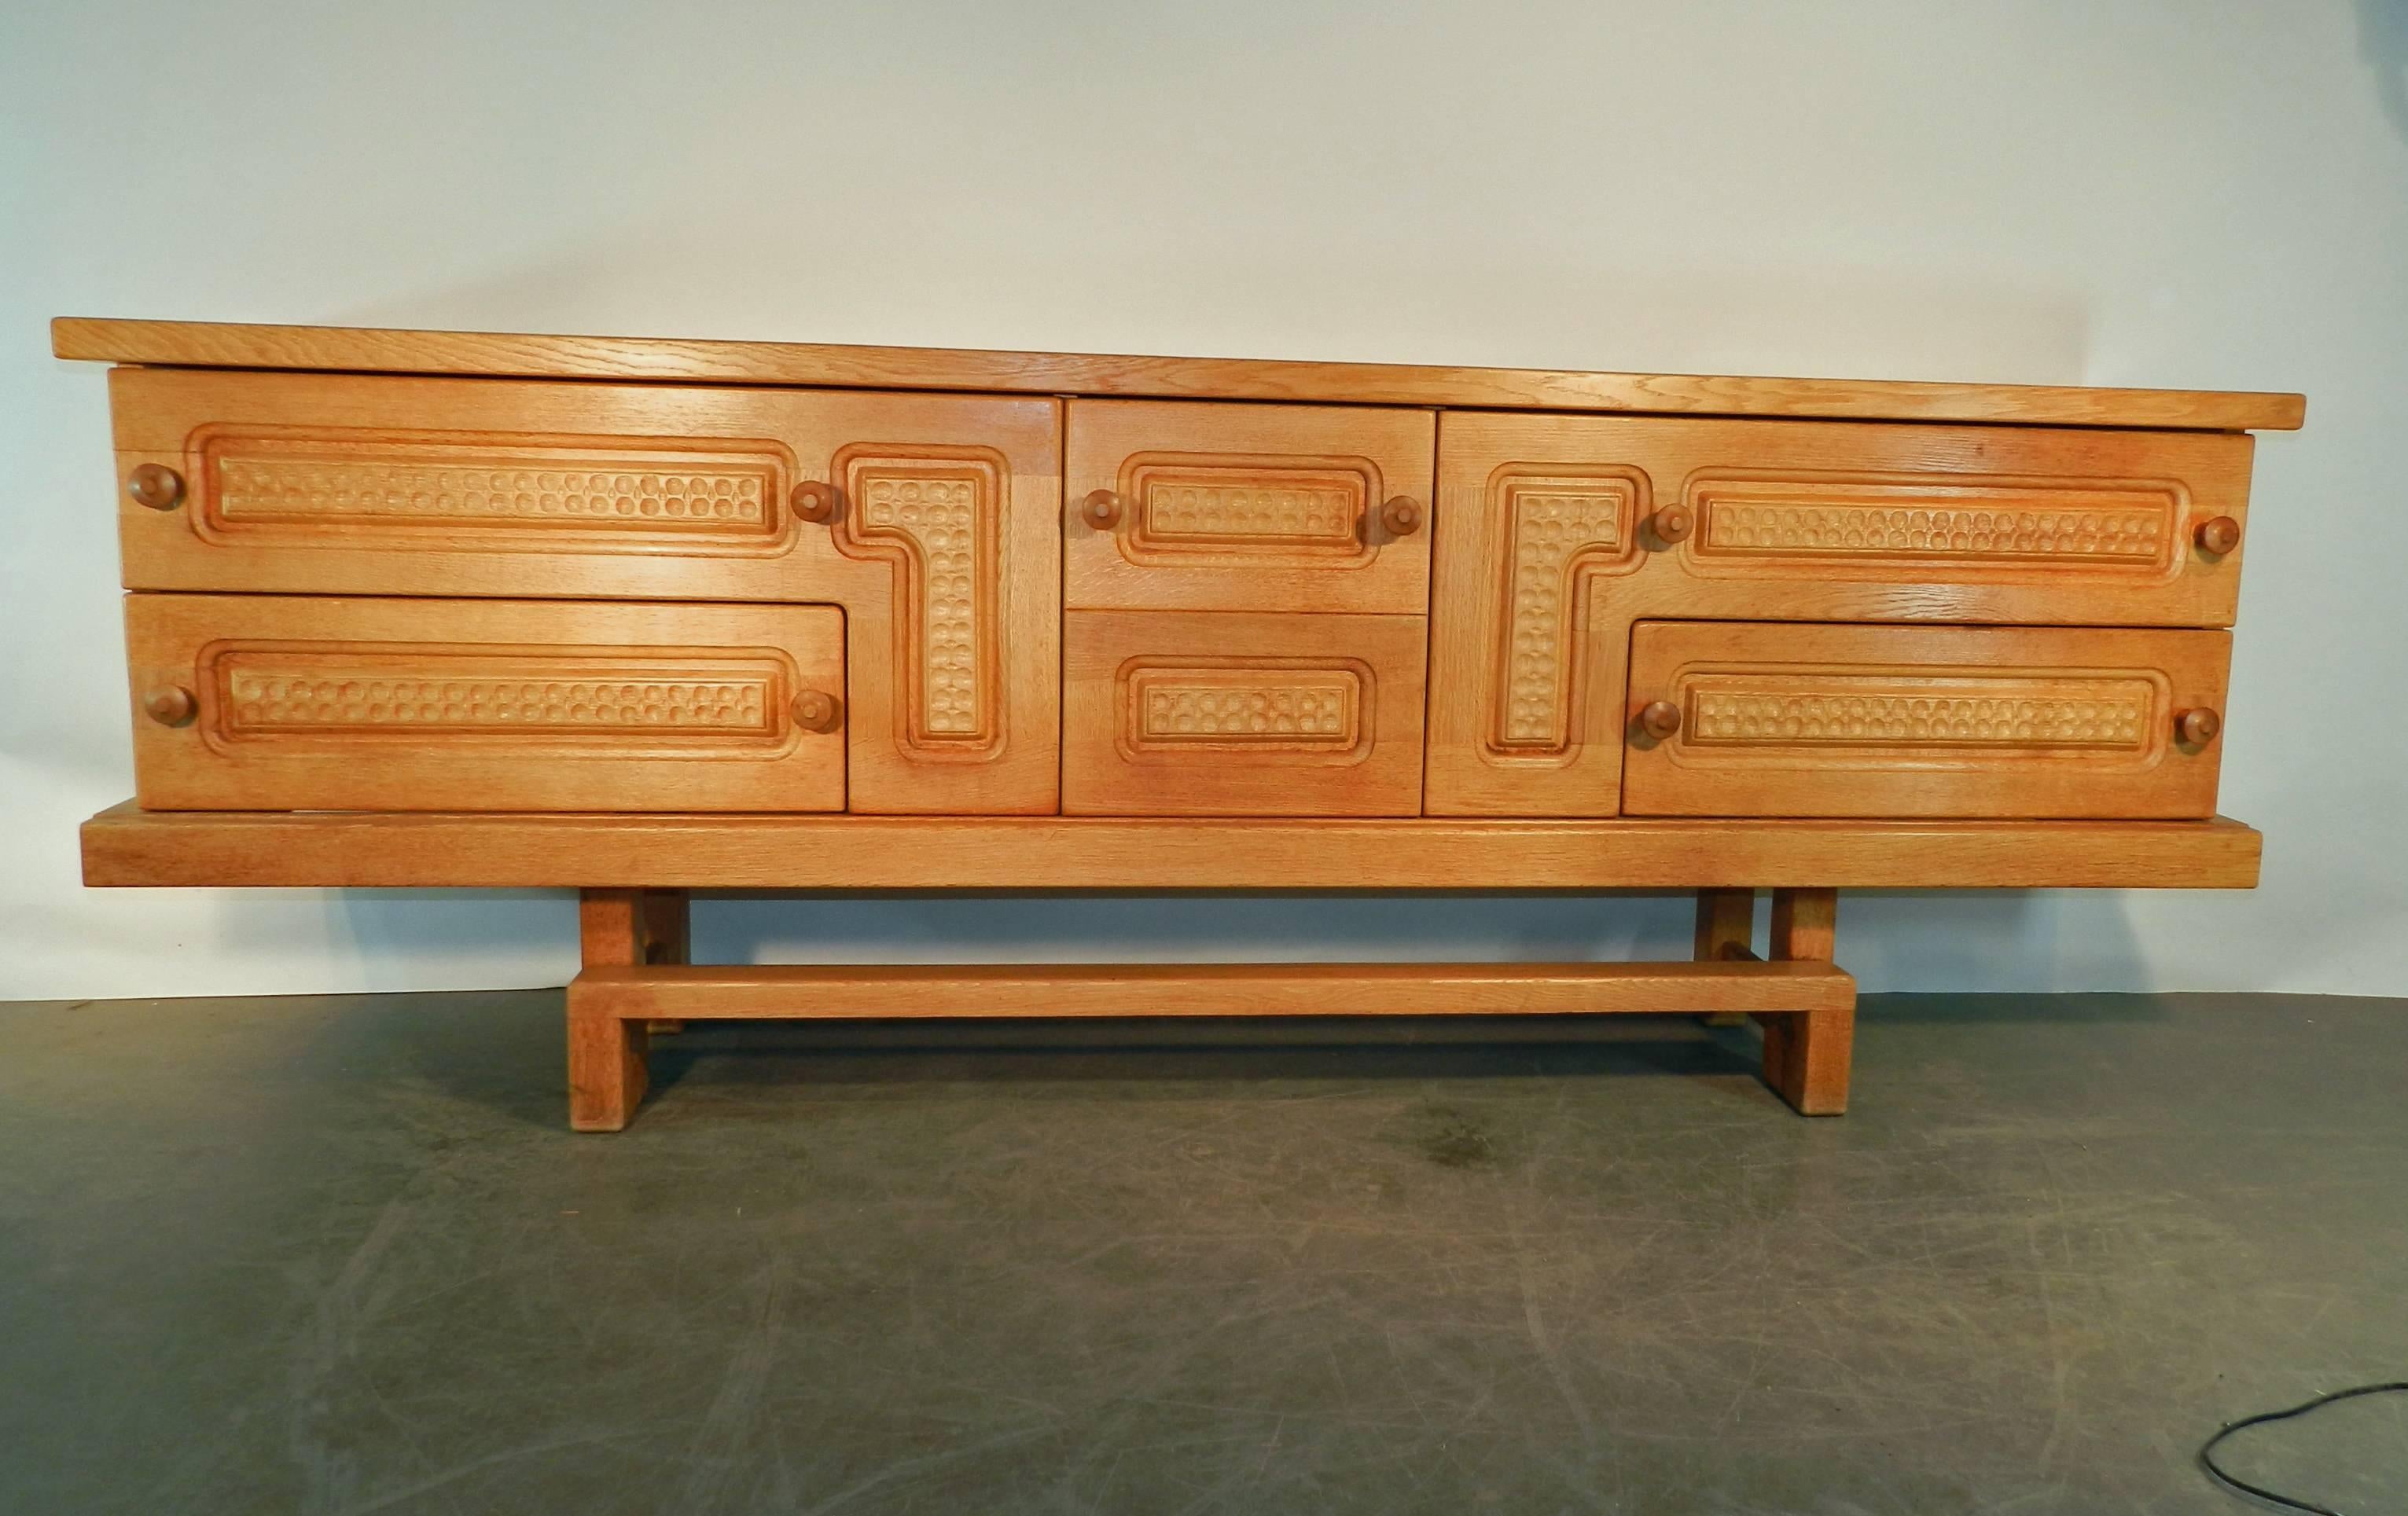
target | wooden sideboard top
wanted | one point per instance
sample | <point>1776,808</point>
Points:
<point>697,360</point>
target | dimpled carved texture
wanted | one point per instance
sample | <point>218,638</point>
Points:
<point>1761,719</point>
<point>267,695</point>
<point>943,518</point>
<point>2121,535</point>
<point>1186,508</point>
<point>1548,530</point>
<point>1175,712</point>
<point>256,486</point>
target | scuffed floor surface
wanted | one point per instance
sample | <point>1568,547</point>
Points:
<point>340,1255</point>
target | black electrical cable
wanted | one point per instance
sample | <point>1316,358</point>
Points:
<point>2207,1449</point>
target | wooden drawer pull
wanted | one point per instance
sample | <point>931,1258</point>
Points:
<point>155,485</point>
<point>1401,515</point>
<point>817,502</point>
<point>2219,534</point>
<point>1101,509</point>
<point>1660,720</point>
<point>1673,524</point>
<point>171,705</point>
<point>816,710</point>
<point>2197,726</point>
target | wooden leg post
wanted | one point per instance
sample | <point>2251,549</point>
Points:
<point>1806,1053</point>
<point>1726,920</point>
<point>668,938</point>
<point>616,929</point>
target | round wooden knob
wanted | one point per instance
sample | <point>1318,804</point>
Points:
<point>170,705</point>
<point>1101,509</point>
<point>2197,726</point>
<point>1673,524</point>
<point>1401,516</point>
<point>815,501</point>
<point>2219,534</point>
<point>816,710</point>
<point>1659,719</point>
<point>155,485</point>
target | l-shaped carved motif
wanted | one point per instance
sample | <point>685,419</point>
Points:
<point>934,513</point>
<point>1557,528</point>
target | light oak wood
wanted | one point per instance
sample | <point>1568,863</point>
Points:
<point>216,345</point>
<point>124,845</point>
<point>942,542</point>
<point>333,704</point>
<point>607,1073</point>
<point>1919,720</point>
<point>1245,507</point>
<point>169,704</point>
<point>154,486</point>
<point>2195,728</point>
<point>844,991</point>
<point>628,929</point>
<point>612,1007</point>
<point>1807,1053</point>
<point>1726,923</point>
<point>1545,562</point>
<point>534,607</point>
<point>1726,927</point>
<point>1221,713</point>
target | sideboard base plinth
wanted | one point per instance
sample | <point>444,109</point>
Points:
<point>636,979</point>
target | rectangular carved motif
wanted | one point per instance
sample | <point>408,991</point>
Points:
<point>1903,712</point>
<point>478,490</point>
<point>690,701</point>
<point>1964,523</point>
<point>1242,705</point>
<point>1284,507</point>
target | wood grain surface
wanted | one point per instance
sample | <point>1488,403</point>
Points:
<point>1548,553</point>
<point>350,349</point>
<point>839,991</point>
<point>126,846</point>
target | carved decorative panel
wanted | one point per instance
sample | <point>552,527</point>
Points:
<point>1289,508</point>
<point>934,513</point>
<point>1244,704</point>
<point>1960,523</point>
<point>692,700</point>
<point>2033,711</point>
<point>452,491</point>
<point>1553,528</point>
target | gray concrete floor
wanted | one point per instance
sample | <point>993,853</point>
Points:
<point>340,1255</point>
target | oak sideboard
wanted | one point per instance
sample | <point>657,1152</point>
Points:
<point>641,617</point>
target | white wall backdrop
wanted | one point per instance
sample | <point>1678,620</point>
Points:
<point>2114,192</point>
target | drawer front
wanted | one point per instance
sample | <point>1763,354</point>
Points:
<point>288,703</point>
<point>1978,523</point>
<point>1731,719</point>
<point>1220,713</point>
<point>1247,507</point>
<point>932,520</point>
